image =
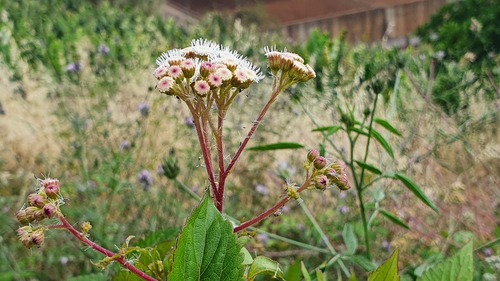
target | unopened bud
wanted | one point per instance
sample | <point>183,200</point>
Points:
<point>22,217</point>
<point>320,163</point>
<point>51,187</point>
<point>49,210</point>
<point>33,214</point>
<point>37,200</point>
<point>312,155</point>
<point>24,235</point>
<point>292,192</point>
<point>321,182</point>
<point>37,237</point>
<point>86,227</point>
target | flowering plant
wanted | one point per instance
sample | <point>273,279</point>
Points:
<point>207,78</point>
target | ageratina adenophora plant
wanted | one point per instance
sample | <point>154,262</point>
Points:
<point>207,78</point>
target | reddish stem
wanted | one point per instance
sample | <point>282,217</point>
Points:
<point>66,225</point>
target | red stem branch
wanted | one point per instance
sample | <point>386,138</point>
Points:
<point>66,225</point>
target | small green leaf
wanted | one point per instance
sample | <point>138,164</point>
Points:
<point>305,273</point>
<point>359,131</point>
<point>207,248</point>
<point>265,266</point>
<point>388,271</point>
<point>387,126</point>
<point>382,142</point>
<point>368,167</point>
<point>247,258</point>
<point>349,239</point>
<point>413,187</point>
<point>320,276</point>
<point>394,219</point>
<point>458,267</point>
<point>330,130</point>
<point>276,146</point>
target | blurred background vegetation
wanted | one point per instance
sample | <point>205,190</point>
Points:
<point>77,103</point>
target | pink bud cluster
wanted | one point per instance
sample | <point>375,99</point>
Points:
<point>44,204</point>
<point>205,68</point>
<point>289,66</point>
<point>327,174</point>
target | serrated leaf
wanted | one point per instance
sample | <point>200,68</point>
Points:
<point>387,126</point>
<point>388,271</point>
<point>458,267</point>
<point>277,146</point>
<point>330,130</point>
<point>349,239</point>
<point>305,273</point>
<point>207,248</point>
<point>382,142</point>
<point>265,266</point>
<point>413,187</point>
<point>368,167</point>
<point>394,219</point>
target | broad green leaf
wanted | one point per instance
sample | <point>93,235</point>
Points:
<point>458,267</point>
<point>394,219</point>
<point>383,142</point>
<point>387,126</point>
<point>349,239</point>
<point>276,146</point>
<point>368,167</point>
<point>305,273</point>
<point>90,277</point>
<point>294,273</point>
<point>413,187</point>
<point>388,271</point>
<point>264,266</point>
<point>330,130</point>
<point>207,248</point>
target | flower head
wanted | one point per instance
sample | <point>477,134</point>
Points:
<point>201,87</point>
<point>214,80</point>
<point>165,84</point>
<point>145,179</point>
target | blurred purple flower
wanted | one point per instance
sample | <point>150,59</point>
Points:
<point>414,41</point>
<point>189,122</point>
<point>342,195</point>
<point>125,145</point>
<point>488,252</point>
<point>103,50</point>
<point>144,109</point>
<point>145,179</point>
<point>263,238</point>
<point>159,170</point>
<point>440,55</point>
<point>433,36</point>
<point>73,67</point>
<point>262,189</point>
<point>344,210</point>
<point>386,246</point>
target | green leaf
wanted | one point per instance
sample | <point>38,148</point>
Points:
<point>349,239</point>
<point>247,258</point>
<point>207,248</point>
<point>159,236</point>
<point>387,126</point>
<point>276,146</point>
<point>294,273</point>
<point>320,276</point>
<point>388,271</point>
<point>368,167</point>
<point>394,219</point>
<point>359,131</point>
<point>458,267</point>
<point>305,273</point>
<point>361,261</point>
<point>413,187</point>
<point>382,142</point>
<point>330,130</point>
<point>265,266</point>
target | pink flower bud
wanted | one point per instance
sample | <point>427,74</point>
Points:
<point>51,187</point>
<point>319,163</point>
<point>37,237</point>
<point>49,210</point>
<point>22,217</point>
<point>312,155</point>
<point>321,182</point>
<point>37,200</point>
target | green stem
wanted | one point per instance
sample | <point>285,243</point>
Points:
<point>316,226</point>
